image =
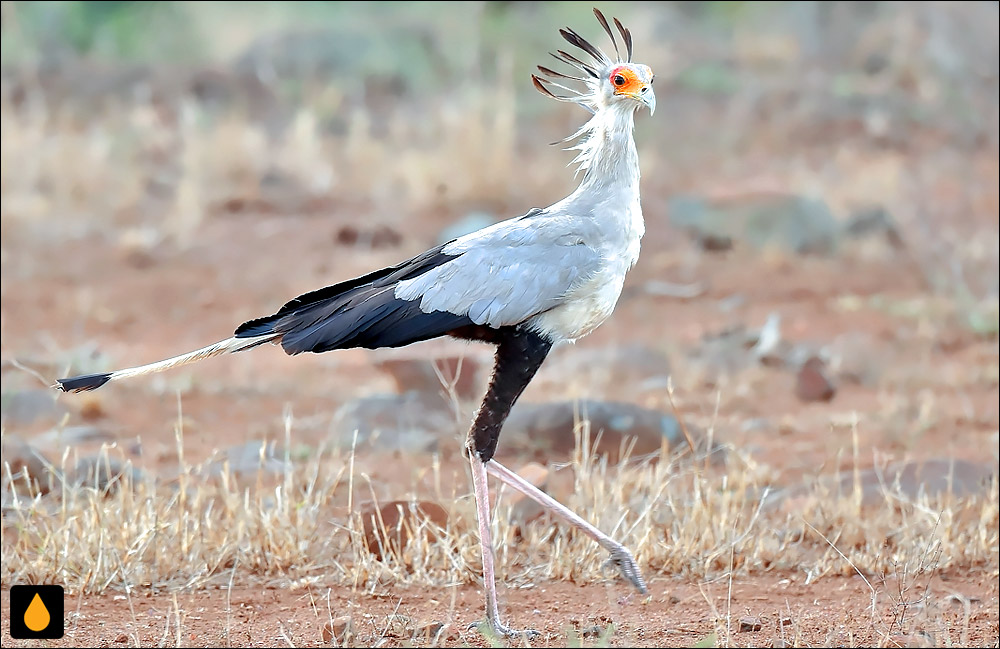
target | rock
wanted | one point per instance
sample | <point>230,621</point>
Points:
<point>874,220</point>
<point>250,459</point>
<point>64,436</point>
<point>812,383</point>
<point>523,508</point>
<point>857,357</point>
<point>932,478</point>
<point>407,422</point>
<point>749,624</point>
<point>420,374</point>
<point>339,629</point>
<point>795,223</point>
<point>389,528</point>
<point>431,632</point>
<point>739,348</point>
<point>26,464</point>
<point>690,214</point>
<point>29,405</point>
<point>908,481</point>
<point>102,472</point>
<point>728,351</point>
<point>546,431</point>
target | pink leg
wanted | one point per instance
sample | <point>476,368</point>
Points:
<point>482,492</point>
<point>620,556</point>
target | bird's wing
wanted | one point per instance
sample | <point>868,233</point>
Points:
<point>506,273</point>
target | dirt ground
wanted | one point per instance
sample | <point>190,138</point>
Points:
<point>767,610</point>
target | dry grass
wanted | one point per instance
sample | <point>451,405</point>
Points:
<point>289,529</point>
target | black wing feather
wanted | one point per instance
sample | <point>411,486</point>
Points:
<point>361,312</point>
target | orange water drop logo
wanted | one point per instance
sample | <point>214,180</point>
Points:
<point>37,616</point>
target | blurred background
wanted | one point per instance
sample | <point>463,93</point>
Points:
<point>819,184</point>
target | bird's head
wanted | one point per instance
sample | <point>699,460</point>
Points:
<point>608,82</point>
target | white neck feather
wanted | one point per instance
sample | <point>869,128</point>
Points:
<point>607,150</point>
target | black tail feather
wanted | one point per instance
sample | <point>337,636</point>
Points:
<point>371,318</point>
<point>361,312</point>
<point>83,383</point>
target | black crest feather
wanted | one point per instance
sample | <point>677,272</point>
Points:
<point>626,36</point>
<point>607,28</point>
<point>579,41</point>
<point>546,85</point>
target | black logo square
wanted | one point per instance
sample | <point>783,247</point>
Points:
<point>36,612</point>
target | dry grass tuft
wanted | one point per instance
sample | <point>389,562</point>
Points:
<point>680,518</point>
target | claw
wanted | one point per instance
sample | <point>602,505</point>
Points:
<point>498,630</point>
<point>628,568</point>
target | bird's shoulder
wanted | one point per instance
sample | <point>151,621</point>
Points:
<point>538,227</point>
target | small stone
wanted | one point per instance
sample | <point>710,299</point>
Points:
<point>392,526</point>
<point>121,638</point>
<point>748,624</point>
<point>431,631</point>
<point>812,384</point>
<point>339,629</point>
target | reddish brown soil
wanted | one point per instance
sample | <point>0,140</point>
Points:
<point>675,614</point>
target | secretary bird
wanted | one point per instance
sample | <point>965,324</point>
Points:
<point>523,285</point>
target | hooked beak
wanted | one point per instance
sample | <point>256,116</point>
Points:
<point>647,97</point>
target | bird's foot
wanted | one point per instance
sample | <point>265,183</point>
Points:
<point>498,630</point>
<point>627,567</point>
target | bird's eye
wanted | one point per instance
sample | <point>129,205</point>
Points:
<point>618,80</point>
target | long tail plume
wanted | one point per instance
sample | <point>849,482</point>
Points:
<point>94,381</point>
<point>591,70</point>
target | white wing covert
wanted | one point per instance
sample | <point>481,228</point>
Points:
<point>505,274</point>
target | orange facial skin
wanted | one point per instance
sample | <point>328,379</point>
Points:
<point>625,81</point>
